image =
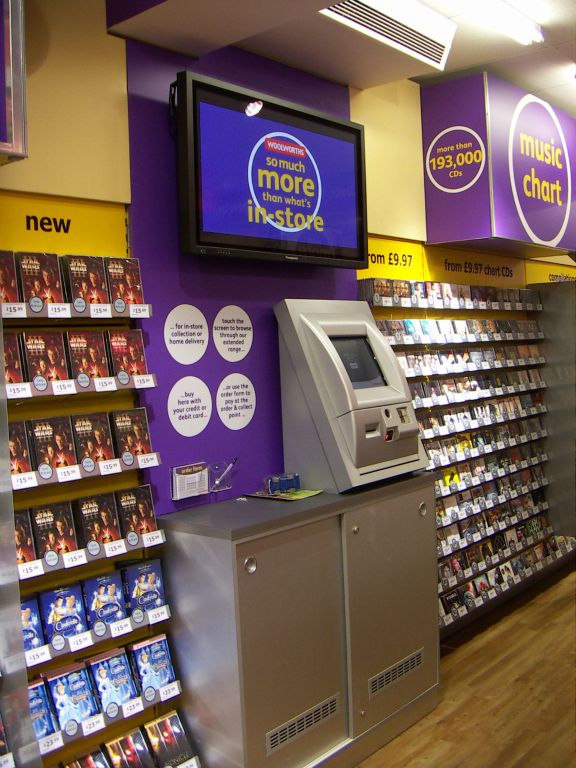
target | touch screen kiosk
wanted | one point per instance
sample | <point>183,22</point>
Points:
<point>347,412</point>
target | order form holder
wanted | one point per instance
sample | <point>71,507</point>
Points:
<point>190,480</point>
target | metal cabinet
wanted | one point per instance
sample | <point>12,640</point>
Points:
<point>285,614</point>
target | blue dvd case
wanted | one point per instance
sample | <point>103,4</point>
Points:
<point>72,695</point>
<point>152,663</point>
<point>62,612</point>
<point>144,585</point>
<point>112,677</point>
<point>43,720</point>
<point>32,632</point>
<point>104,599</point>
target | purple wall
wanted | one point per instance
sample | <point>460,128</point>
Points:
<point>171,279</point>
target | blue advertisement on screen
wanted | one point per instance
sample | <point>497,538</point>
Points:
<point>261,178</point>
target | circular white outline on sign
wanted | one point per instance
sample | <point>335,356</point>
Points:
<point>524,101</point>
<point>235,378</point>
<point>308,154</point>
<point>216,335</point>
<point>177,313</point>
<point>189,383</point>
<point>482,164</point>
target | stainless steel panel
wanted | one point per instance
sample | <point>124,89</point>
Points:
<point>292,642</point>
<point>391,601</point>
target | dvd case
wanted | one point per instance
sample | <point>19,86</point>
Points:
<point>53,528</point>
<point>87,354</point>
<point>92,437</point>
<point>85,279</point>
<point>144,585</point>
<point>130,751</point>
<point>41,713</point>
<point>32,633</point>
<point>14,371</point>
<point>96,759</point>
<point>104,599</point>
<point>45,355</point>
<point>112,680</point>
<point>19,448</point>
<point>152,664</point>
<point>72,695</point>
<point>168,740</point>
<point>130,431</point>
<point>62,611</point>
<point>39,277</point>
<point>124,280</point>
<point>136,510</point>
<point>127,352</point>
<point>23,539</point>
<point>9,292</point>
<point>97,518</point>
<point>52,442</point>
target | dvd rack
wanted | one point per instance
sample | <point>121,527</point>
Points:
<point>67,395</point>
<point>478,387</point>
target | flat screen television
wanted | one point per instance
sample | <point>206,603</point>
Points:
<point>262,178</point>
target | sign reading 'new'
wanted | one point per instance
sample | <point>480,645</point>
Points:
<point>499,163</point>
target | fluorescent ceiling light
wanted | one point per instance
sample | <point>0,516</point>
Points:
<point>503,17</point>
<point>407,26</point>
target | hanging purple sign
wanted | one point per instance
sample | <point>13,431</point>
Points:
<point>530,197</point>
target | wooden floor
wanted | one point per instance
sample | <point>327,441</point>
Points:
<point>507,697</point>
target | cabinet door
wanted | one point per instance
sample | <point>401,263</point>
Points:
<point>292,648</point>
<point>391,602</point>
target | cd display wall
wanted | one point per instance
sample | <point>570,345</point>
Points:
<point>476,369</point>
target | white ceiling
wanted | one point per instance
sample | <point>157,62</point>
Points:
<point>294,33</point>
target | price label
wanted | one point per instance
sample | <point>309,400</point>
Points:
<point>122,627</point>
<point>113,548</point>
<point>38,655</point>
<point>158,614</point>
<point>132,707</point>
<point>106,384</point>
<point>14,391</point>
<point>153,538</point>
<point>72,559</point>
<point>31,569</point>
<point>51,743</point>
<point>7,761</point>
<point>169,691</point>
<point>101,310</point>
<point>66,387</point>
<point>66,474</point>
<point>110,467</point>
<point>144,382</point>
<point>148,460</point>
<point>93,724</point>
<point>13,309</point>
<point>193,763</point>
<point>25,480</point>
<point>59,310</point>
<point>139,310</point>
<point>83,640</point>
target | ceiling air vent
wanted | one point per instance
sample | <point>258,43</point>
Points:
<point>408,27</point>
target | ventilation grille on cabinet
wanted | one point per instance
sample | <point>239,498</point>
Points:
<point>301,724</point>
<point>394,673</point>
<point>391,31</point>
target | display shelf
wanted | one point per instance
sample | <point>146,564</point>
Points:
<point>457,617</point>
<point>31,310</point>
<point>469,367</point>
<point>470,423</point>
<point>453,458</point>
<point>99,722</point>
<point>50,476</point>
<point>60,646</point>
<point>42,388</point>
<point>52,562</point>
<point>470,395</point>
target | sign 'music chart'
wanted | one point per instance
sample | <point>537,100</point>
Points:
<point>499,163</point>
<point>260,179</point>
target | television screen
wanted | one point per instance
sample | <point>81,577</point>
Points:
<point>263,178</point>
<point>359,361</point>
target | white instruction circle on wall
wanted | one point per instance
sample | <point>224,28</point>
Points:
<point>233,333</point>
<point>186,334</point>
<point>189,406</point>
<point>236,401</point>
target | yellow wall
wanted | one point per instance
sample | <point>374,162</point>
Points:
<point>394,171</point>
<point>76,104</point>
